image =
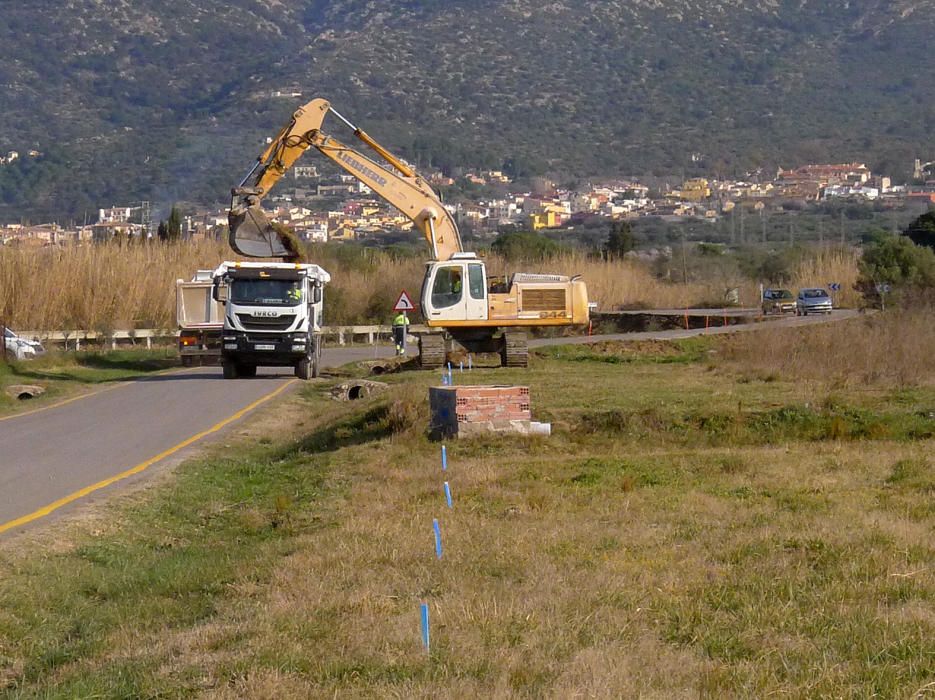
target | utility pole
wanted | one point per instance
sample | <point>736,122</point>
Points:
<point>791,234</point>
<point>821,232</point>
<point>743,235</point>
<point>763,222</point>
<point>843,239</point>
<point>684,263</point>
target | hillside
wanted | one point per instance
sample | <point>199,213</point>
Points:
<point>171,100</point>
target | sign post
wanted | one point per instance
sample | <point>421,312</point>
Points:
<point>883,289</point>
<point>833,287</point>
<point>401,325</point>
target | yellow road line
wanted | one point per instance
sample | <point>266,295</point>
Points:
<point>142,466</point>
<point>89,394</point>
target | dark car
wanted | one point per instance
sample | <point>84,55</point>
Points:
<point>812,300</point>
<point>778,301</point>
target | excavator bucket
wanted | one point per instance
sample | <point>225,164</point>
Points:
<point>252,234</point>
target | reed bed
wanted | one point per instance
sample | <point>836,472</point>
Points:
<point>97,287</point>
<point>103,287</point>
<point>831,265</point>
<point>877,350</point>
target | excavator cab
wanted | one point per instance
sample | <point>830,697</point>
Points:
<point>455,290</point>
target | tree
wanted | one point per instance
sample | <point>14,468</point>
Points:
<point>163,231</point>
<point>525,245</point>
<point>922,230</point>
<point>174,224</point>
<point>898,262</point>
<point>620,241</point>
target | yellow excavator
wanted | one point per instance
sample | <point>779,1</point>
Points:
<point>459,302</point>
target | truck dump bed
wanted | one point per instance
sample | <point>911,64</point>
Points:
<point>200,319</point>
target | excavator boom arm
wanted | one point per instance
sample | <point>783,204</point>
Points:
<point>251,232</point>
<point>412,196</point>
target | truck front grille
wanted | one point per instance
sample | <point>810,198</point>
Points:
<point>260,323</point>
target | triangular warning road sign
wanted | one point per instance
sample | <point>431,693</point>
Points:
<point>404,303</point>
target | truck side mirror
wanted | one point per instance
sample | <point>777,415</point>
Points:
<point>316,293</point>
<point>219,291</point>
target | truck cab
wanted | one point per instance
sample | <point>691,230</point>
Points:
<point>272,316</point>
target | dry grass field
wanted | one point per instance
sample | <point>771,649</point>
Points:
<point>107,287</point>
<point>701,523</point>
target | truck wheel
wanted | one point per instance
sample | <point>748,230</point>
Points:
<point>303,369</point>
<point>230,370</point>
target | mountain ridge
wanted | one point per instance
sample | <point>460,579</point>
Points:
<point>171,100</point>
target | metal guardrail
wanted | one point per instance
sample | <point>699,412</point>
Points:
<point>72,340</point>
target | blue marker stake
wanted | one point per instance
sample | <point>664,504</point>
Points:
<point>425,625</point>
<point>448,494</point>
<point>470,362</point>
<point>449,374</point>
<point>438,538</point>
<point>461,366</point>
<point>444,458</point>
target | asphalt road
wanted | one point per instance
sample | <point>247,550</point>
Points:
<point>784,322</point>
<point>55,457</point>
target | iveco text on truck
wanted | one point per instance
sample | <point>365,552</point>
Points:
<point>272,316</point>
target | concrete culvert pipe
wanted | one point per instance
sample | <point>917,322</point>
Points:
<point>357,389</point>
<point>24,392</point>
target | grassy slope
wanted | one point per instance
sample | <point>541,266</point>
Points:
<point>64,375</point>
<point>693,526</point>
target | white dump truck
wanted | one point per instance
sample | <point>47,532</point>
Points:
<point>273,316</point>
<point>200,319</point>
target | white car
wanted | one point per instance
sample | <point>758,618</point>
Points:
<point>19,348</point>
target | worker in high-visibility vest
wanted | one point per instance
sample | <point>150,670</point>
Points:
<point>400,324</point>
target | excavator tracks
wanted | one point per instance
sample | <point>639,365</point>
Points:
<point>513,351</point>
<point>431,351</point>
